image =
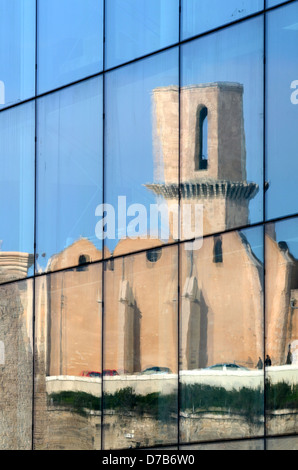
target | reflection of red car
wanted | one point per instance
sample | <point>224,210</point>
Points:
<point>107,372</point>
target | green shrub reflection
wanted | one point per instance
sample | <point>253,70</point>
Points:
<point>281,396</point>
<point>194,400</point>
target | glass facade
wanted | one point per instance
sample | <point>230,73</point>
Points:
<point>149,228</point>
<point>17,51</point>
<point>69,167</point>
<point>69,42</point>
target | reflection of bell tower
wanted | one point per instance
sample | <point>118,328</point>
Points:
<point>212,146</point>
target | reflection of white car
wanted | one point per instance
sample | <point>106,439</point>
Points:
<point>294,349</point>
<point>224,366</point>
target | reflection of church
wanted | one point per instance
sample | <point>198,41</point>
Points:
<point>221,306</point>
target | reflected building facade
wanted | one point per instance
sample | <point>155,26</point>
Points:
<point>189,343</point>
<point>213,152</point>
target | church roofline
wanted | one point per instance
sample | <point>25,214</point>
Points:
<point>221,85</point>
<point>16,259</point>
<point>206,189</point>
<point>14,265</point>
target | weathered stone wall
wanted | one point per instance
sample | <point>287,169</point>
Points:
<point>16,379</point>
<point>67,430</point>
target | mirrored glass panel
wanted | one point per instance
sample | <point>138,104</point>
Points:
<point>221,338</point>
<point>244,445</point>
<point>273,3</point>
<point>135,28</point>
<point>70,41</point>
<point>221,103</point>
<point>141,154</point>
<point>17,149</point>
<point>141,350</point>
<point>203,15</point>
<point>282,327</point>
<point>282,110</point>
<point>68,373</point>
<point>16,365</point>
<point>17,51</point>
<point>283,443</point>
<point>69,169</point>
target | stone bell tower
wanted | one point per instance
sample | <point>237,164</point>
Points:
<point>212,152</point>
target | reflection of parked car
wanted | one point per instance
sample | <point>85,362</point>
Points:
<point>92,373</point>
<point>226,367</point>
<point>157,370</point>
<point>110,372</point>
<point>107,372</point>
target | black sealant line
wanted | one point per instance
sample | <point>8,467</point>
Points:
<point>103,242</point>
<point>179,228</point>
<point>265,216</point>
<point>35,237</point>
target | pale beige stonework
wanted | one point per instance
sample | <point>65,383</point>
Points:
<point>220,306</point>
<point>222,187</point>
